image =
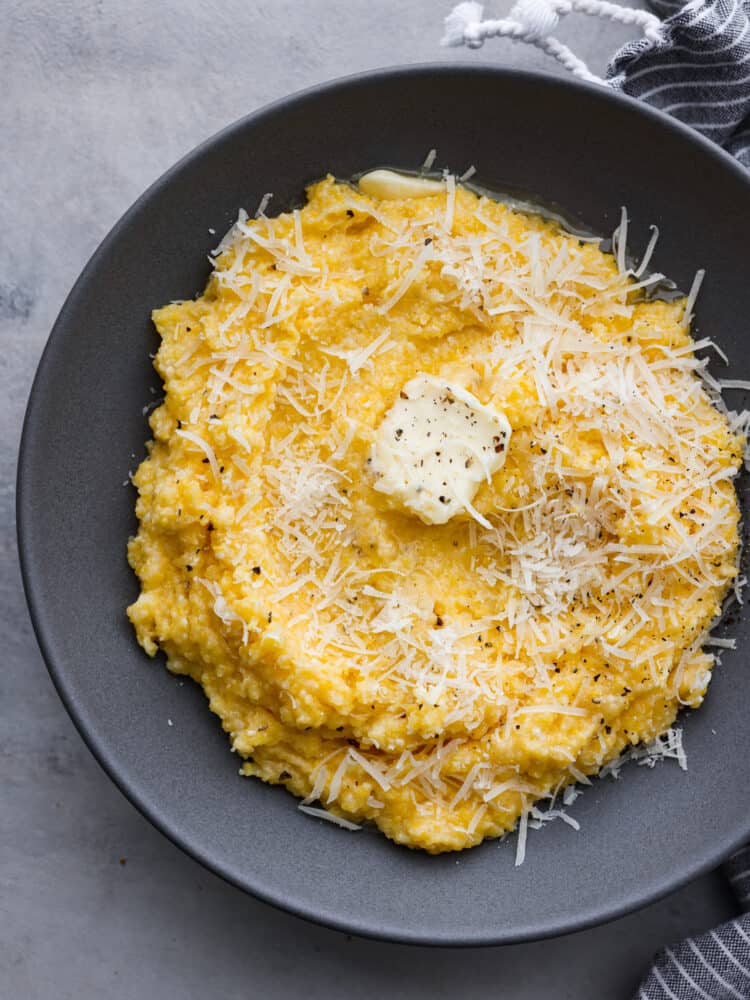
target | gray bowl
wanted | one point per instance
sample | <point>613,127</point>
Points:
<point>581,147</point>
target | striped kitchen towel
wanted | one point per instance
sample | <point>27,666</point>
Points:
<point>714,966</point>
<point>693,61</point>
<point>699,71</point>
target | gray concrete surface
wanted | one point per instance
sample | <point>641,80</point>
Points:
<point>98,98</point>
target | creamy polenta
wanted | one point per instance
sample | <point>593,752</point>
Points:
<point>433,647</point>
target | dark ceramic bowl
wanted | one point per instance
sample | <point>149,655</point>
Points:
<point>580,147</point>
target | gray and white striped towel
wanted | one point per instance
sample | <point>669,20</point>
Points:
<point>693,61</point>
<point>699,72</point>
<point>714,966</point>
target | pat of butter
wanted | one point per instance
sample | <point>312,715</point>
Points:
<point>391,186</point>
<point>435,446</point>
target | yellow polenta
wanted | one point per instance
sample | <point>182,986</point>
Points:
<point>437,679</point>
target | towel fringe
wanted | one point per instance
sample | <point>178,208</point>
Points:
<point>533,21</point>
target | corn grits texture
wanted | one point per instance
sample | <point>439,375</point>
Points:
<point>435,679</point>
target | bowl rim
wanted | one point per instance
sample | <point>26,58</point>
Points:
<point>630,901</point>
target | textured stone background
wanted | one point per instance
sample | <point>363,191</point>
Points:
<point>99,97</point>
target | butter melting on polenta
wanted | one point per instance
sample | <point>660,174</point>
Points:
<point>435,678</point>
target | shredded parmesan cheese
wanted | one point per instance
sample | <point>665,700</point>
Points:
<point>345,824</point>
<point>589,541</point>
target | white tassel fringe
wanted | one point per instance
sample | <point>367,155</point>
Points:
<point>533,21</point>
